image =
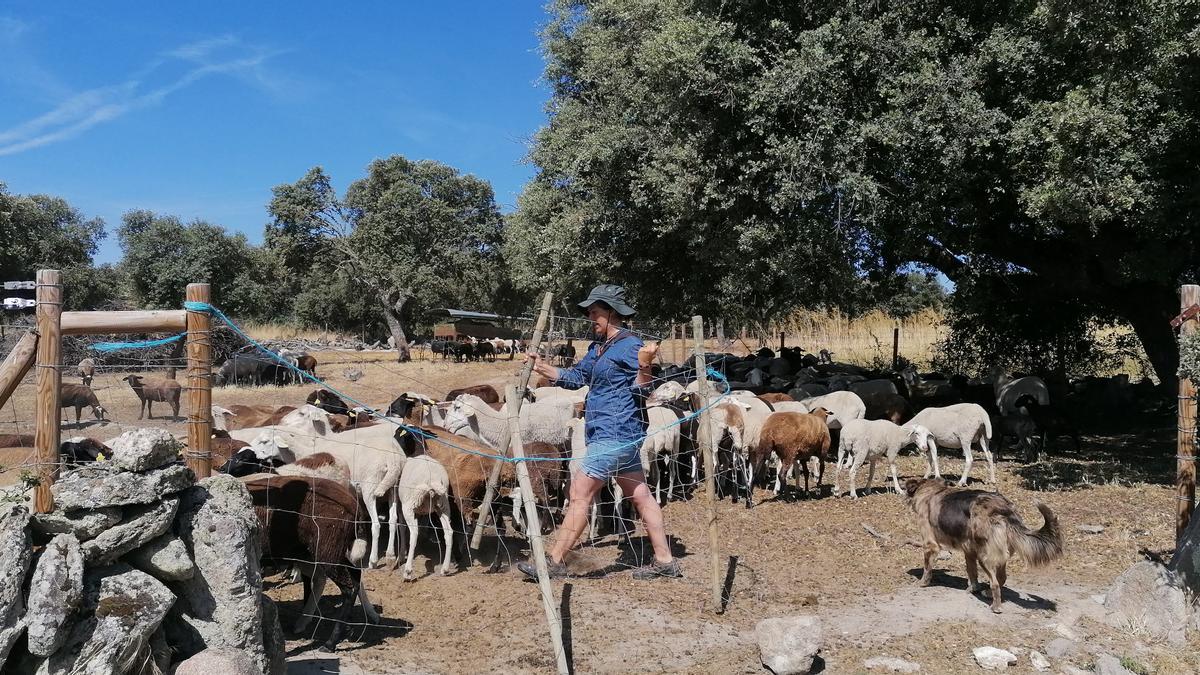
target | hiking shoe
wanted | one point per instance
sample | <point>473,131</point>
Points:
<point>553,570</point>
<point>656,569</point>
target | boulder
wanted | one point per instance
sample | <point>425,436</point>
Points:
<point>788,645</point>
<point>892,664</point>
<point>220,605</point>
<point>221,660</point>
<point>83,525</point>
<point>15,556</point>
<point>990,658</point>
<point>140,525</point>
<point>1061,647</point>
<point>1107,664</point>
<point>1148,600</point>
<point>122,607</point>
<point>274,642</point>
<point>165,557</point>
<point>144,449</point>
<point>1039,662</point>
<point>55,592</point>
<point>1186,561</point>
<point>100,485</point>
<point>156,657</point>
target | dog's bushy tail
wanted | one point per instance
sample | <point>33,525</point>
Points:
<point>1036,548</point>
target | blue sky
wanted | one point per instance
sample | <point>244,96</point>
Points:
<point>199,109</point>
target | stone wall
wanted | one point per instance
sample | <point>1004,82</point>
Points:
<point>138,569</point>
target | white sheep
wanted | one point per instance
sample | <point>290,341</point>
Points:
<point>424,488</point>
<point>961,425</point>
<point>221,417</point>
<point>661,442</point>
<point>550,393</point>
<point>844,406</point>
<point>868,441</point>
<point>1008,390</point>
<point>543,421</point>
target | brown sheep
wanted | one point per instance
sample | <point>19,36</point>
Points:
<point>794,438</point>
<point>775,398</point>
<point>149,391</point>
<point>339,423</point>
<point>247,416</point>
<point>16,440</point>
<point>223,447</point>
<point>486,392</point>
<point>77,396</point>
<point>307,363</point>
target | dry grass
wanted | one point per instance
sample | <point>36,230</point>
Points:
<point>866,339</point>
<point>283,331</point>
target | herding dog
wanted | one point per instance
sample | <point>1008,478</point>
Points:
<point>984,526</point>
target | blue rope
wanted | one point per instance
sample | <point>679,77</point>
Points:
<point>147,344</point>
<point>210,309</point>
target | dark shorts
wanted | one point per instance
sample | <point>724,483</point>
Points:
<point>606,459</point>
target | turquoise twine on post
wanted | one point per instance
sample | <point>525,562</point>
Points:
<point>210,309</point>
<point>147,344</point>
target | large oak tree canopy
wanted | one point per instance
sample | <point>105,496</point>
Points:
<point>762,156</point>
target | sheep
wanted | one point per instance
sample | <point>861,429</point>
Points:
<point>775,398</point>
<point>316,521</point>
<point>869,440</point>
<point>423,488</point>
<point>891,407</point>
<point>1048,421</point>
<point>86,370</point>
<point>928,392</point>
<point>546,476</point>
<point>79,395</point>
<point>728,420</point>
<point>418,409</point>
<point>166,391</point>
<point>302,361</point>
<point>1008,390</point>
<point>873,388</point>
<point>961,425</point>
<point>328,401</point>
<point>661,442</point>
<point>250,416</point>
<point>667,391</point>
<point>553,393</point>
<point>543,421</point>
<point>843,406</point>
<point>484,391</point>
<point>1020,427</point>
<point>355,420</point>
<point>319,465</point>
<point>80,450</point>
<point>794,438</point>
<point>223,449</point>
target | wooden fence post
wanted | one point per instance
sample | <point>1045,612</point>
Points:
<point>534,530</point>
<point>489,493</point>
<point>16,364</point>
<point>1185,447</point>
<point>704,431</point>
<point>49,385</point>
<point>199,383</point>
<point>895,348</point>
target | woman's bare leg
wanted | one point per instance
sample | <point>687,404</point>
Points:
<point>634,485</point>
<point>583,491</point>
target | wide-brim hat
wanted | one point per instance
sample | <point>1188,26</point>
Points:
<point>611,295</point>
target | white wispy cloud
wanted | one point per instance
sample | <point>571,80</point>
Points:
<point>170,72</point>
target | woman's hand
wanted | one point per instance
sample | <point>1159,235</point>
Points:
<point>647,354</point>
<point>541,367</point>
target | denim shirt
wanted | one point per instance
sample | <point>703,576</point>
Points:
<point>615,408</point>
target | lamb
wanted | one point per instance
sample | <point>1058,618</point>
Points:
<point>794,438</point>
<point>1020,427</point>
<point>661,443</point>
<point>961,425</point>
<point>541,421</point>
<point>318,522</point>
<point>166,391</point>
<point>86,370</point>
<point>1048,421</point>
<point>328,401</point>
<point>1008,390</point>
<point>250,416</point>
<point>423,489</point>
<point>79,395</point>
<point>318,465</point>
<point>869,440</point>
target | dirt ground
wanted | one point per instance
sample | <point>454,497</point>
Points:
<point>810,556</point>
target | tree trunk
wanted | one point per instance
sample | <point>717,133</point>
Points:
<point>391,314</point>
<point>1151,323</point>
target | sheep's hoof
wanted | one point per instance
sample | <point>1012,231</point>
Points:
<point>408,576</point>
<point>925,581</point>
<point>447,570</point>
<point>996,609</point>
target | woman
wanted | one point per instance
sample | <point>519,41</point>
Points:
<point>617,370</point>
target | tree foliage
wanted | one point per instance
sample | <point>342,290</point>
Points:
<point>760,156</point>
<point>411,236</point>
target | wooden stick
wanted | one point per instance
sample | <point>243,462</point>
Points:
<point>534,528</point>
<point>199,382</point>
<point>1185,447</point>
<point>90,323</point>
<point>704,431</point>
<point>49,385</point>
<point>489,493</point>
<point>16,365</point>
<point>896,348</point>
